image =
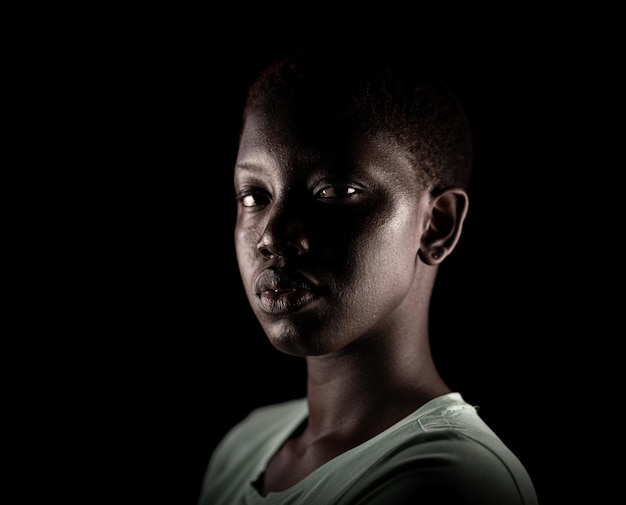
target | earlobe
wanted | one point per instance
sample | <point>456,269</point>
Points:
<point>443,229</point>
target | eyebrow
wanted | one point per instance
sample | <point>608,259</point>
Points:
<point>247,166</point>
<point>243,166</point>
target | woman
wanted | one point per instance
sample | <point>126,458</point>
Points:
<point>351,180</point>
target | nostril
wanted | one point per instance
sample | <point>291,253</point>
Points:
<point>266,252</point>
<point>296,249</point>
<point>288,251</point>
<point>272,246</point>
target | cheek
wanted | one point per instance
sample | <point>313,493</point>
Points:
<point>386,257</point>
<point>246,240</point>
<point>392,237</point>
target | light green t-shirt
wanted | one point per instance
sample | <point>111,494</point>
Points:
<point>442,453</point>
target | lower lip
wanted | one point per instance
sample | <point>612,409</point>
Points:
<point>283,302</point>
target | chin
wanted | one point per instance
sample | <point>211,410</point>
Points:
<point>299,345</point>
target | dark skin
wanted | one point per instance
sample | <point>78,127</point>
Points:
<point>338,247</point>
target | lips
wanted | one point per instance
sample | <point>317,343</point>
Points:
<point>282,290</point>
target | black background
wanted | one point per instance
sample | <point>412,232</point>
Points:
<point>160,352</point>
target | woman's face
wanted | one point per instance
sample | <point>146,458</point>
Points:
<point>327,233</point>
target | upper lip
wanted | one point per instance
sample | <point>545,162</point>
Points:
<point>281,279</point>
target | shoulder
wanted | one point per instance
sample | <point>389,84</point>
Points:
<point>264,423</point>
<point>446,454</point>
<point>448,466</point>
<point>275,415</point>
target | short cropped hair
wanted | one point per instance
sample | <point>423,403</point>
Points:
<point>396,93</point>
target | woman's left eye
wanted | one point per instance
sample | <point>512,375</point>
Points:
<point>336,192</point>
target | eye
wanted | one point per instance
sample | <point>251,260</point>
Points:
<point>250,199</point>
<point>336,192</point>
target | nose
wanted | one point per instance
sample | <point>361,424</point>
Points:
<point>284,234</point>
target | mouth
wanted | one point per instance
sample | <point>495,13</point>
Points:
<point>281,290</point>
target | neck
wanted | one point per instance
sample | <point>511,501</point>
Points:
<point>345,389</point>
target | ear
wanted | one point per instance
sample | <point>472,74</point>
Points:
<point>444,223</point>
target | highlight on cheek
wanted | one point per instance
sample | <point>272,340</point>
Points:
<point>247,236</point>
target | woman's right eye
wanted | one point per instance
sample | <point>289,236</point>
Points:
<point>248,201</point>
<point>253,199</point>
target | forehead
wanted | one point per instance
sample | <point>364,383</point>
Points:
<point>287,133</point>
<point>286,142</point>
